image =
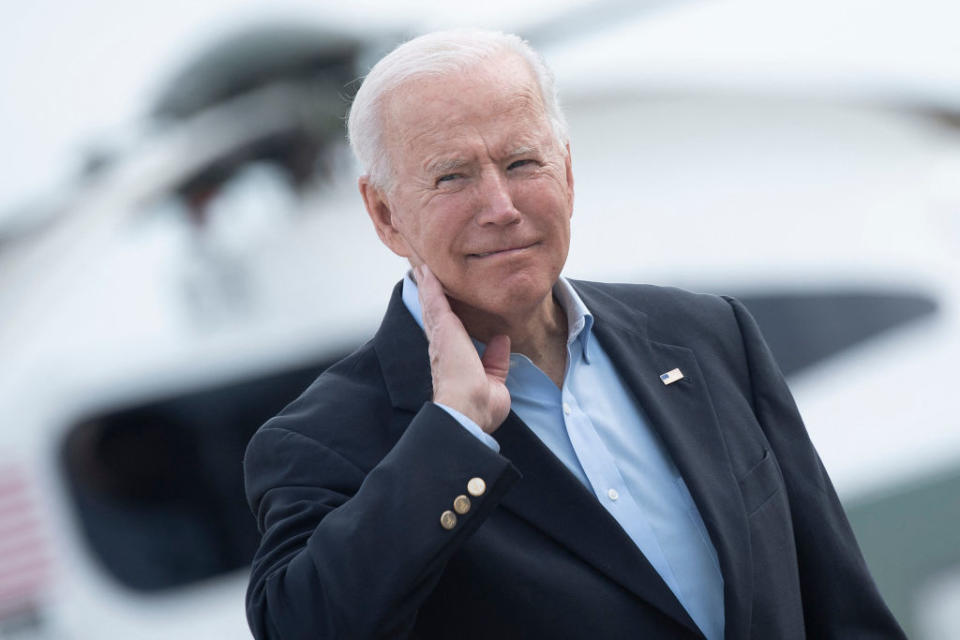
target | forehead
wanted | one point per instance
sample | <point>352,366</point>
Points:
<point>498,100</point>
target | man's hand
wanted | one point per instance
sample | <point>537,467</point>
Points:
<point>461,379</point>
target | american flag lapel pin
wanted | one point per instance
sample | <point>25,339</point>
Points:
<point>671,376</point>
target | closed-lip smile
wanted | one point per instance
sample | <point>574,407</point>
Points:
<point>505,251</point>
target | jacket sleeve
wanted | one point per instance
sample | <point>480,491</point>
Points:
<point>347,553</point>
<point>840,599</point>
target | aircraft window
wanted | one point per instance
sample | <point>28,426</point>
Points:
<point>158,487</point>
<point>804,329</point>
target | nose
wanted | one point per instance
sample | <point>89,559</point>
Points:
<point>494,200</point>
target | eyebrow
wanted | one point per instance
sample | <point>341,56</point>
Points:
<point>521,151</point>
<point>445,165</point>
<point>441,166</point>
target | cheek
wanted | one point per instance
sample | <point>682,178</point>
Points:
<point>434,244</point>
<point>548,187</point>
<point>447,225</point>
<point>546,206</point>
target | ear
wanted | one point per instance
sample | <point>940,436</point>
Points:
<point>381,214</point>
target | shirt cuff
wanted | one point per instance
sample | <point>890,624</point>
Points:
<point>472,427</point>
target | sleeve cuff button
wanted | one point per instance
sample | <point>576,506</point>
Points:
<point>461,504</point>
<point>448,520</point>
<point>476,487</point>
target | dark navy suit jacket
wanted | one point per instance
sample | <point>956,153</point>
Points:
<point>348,484</point>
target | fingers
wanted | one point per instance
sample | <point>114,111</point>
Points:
<point>452,354</point>
<point>433,302</point>
<point>461,379</point>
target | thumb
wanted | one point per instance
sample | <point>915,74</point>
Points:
<point>496,358</point>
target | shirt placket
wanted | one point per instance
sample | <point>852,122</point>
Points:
<point>609,487</point>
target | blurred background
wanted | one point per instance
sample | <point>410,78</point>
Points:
<point>182,250</point>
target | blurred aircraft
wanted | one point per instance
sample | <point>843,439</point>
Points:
<point>197,282</point>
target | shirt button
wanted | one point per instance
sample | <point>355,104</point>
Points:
<point>566,409</point>
<point>612,494</point>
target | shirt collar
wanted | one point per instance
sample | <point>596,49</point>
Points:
<point>579,318</point>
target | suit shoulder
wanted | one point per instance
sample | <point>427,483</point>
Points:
<point>703,322</point>
<point>347,394</point>
<point>665,306</point>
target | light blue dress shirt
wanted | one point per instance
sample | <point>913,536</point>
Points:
<point>594,426</point>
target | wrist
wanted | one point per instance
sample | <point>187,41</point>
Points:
<point>467,409</point>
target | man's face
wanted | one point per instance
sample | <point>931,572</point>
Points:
<point>482,192</point>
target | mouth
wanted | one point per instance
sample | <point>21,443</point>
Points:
<point>502,252</point>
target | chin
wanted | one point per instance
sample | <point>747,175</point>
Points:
<point>508,297</point>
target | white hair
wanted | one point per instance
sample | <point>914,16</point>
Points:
<point>436,54</point>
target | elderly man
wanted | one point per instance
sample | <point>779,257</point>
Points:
<point>516,455</point>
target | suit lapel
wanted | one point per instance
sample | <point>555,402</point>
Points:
<point>549,497</point>
<point>401,347</point>
<point>683,415</point>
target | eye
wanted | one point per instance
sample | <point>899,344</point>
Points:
<point>516,164</point>
<point>450,177</point>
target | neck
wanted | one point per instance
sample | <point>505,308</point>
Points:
<point>540,333</point>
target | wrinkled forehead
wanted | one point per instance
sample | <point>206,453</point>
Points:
<point>438,102</point>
